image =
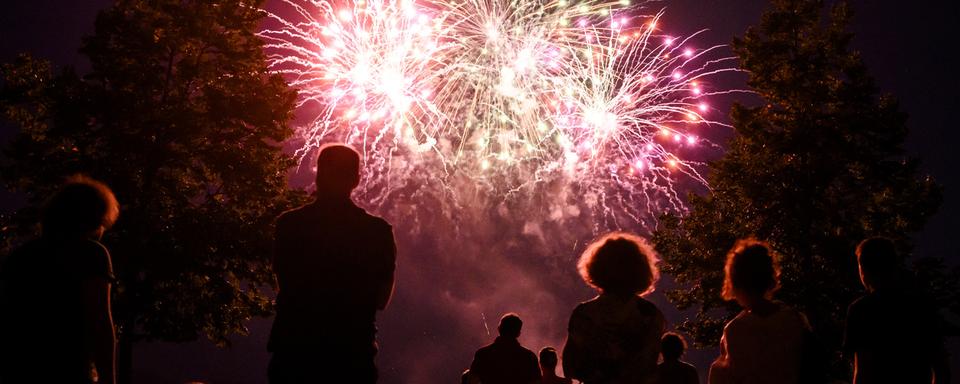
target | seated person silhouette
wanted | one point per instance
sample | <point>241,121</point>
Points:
<point>548,367</point>
<point>893,333</point>
<point>672,370</point>
<point>334,265</point>
<point>615,337</point>
<point>505,361</point>
<point>56,325</point>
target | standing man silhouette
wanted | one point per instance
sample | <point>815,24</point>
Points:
<point>505,361</point>
<point>334,265</point>
<point>893,333</point>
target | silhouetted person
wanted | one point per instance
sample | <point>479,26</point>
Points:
<point>505,361</point>
<point>548,367</point>
<point>672,370</point>
<point>893,333</point>
<point>56,325</point>
<point>334,265</point>
<point>615,337</point>
<point>764,343</point>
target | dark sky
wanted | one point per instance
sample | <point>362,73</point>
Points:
<point>908,46</point>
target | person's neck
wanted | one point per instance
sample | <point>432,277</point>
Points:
<point>548,372</point>
<point>326,196</point>
<point>620,296</point>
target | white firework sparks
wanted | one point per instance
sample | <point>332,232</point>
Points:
<point>499,98</point>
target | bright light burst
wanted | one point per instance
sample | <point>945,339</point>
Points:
<point>500,98</point>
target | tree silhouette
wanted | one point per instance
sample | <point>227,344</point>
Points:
<point>816,168</point>
<point>180,116</point>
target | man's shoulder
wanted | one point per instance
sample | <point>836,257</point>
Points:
<point>295,214</point>
<point>865,303</point>
<point>485,350</point>
<point>530,354</point>
<point>648,308</point>
<point>737,323</point>
<point>374,220</point>
<point>93,248</point>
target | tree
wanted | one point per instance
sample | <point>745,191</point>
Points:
<point>814,170</point>
<point>180,116</point>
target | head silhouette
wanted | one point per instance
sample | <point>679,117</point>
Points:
<point>621,264</point>
<point>548,359</point>
<point>510,325</point>
<point>880,266</point>
<point>338,170</point>
<point>672,346</point>
<point>751,271</point>
<point>83,207</point>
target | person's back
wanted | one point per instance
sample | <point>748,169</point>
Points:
<point>330,259</point>
<point>619,339</point>
<point>893,335</point>
<point>43,323</point>
<point>893,332</point>
<point>615,338</point>
<point>763,348</point>
<point>672,370</point>
<point>334,265</point>
<point>505,361</point>
<point>676,372</point>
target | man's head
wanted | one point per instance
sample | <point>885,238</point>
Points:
<point>880,265</point>
<point>82,207</point>
<point>548,359</point>
<point>510,325</point>
<point>672,346</point>
<point>338,170</point>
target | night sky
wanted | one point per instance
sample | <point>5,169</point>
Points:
<point>908,47</point>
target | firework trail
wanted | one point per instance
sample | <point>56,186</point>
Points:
<point>546,102</point>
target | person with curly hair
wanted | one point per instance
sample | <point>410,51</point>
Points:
<point>615,337</point>
<point>764,343</point>
<point>57,326</point>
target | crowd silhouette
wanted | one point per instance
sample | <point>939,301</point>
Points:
<point>335,263</point>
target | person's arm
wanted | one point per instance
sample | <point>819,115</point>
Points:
<point>99,330</point>
<point>388,279</point>
<point>478,366</point>
<point>941,370</point>
<point>534,369</point>
<point>279,247</point>
<point>573,350</point>
<point>851,338</point>
<point>939,357</point>
<point>720,371</point>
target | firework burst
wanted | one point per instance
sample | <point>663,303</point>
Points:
<point>500,98</point>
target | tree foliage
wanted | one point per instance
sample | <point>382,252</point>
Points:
<point>180,116</point>
<point>816,168</point>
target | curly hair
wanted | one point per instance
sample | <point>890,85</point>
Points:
<point>752,267</point>
<point>620,263</point>
<point>82,205</point>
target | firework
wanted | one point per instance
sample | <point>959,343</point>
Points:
<point>500,98</point>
